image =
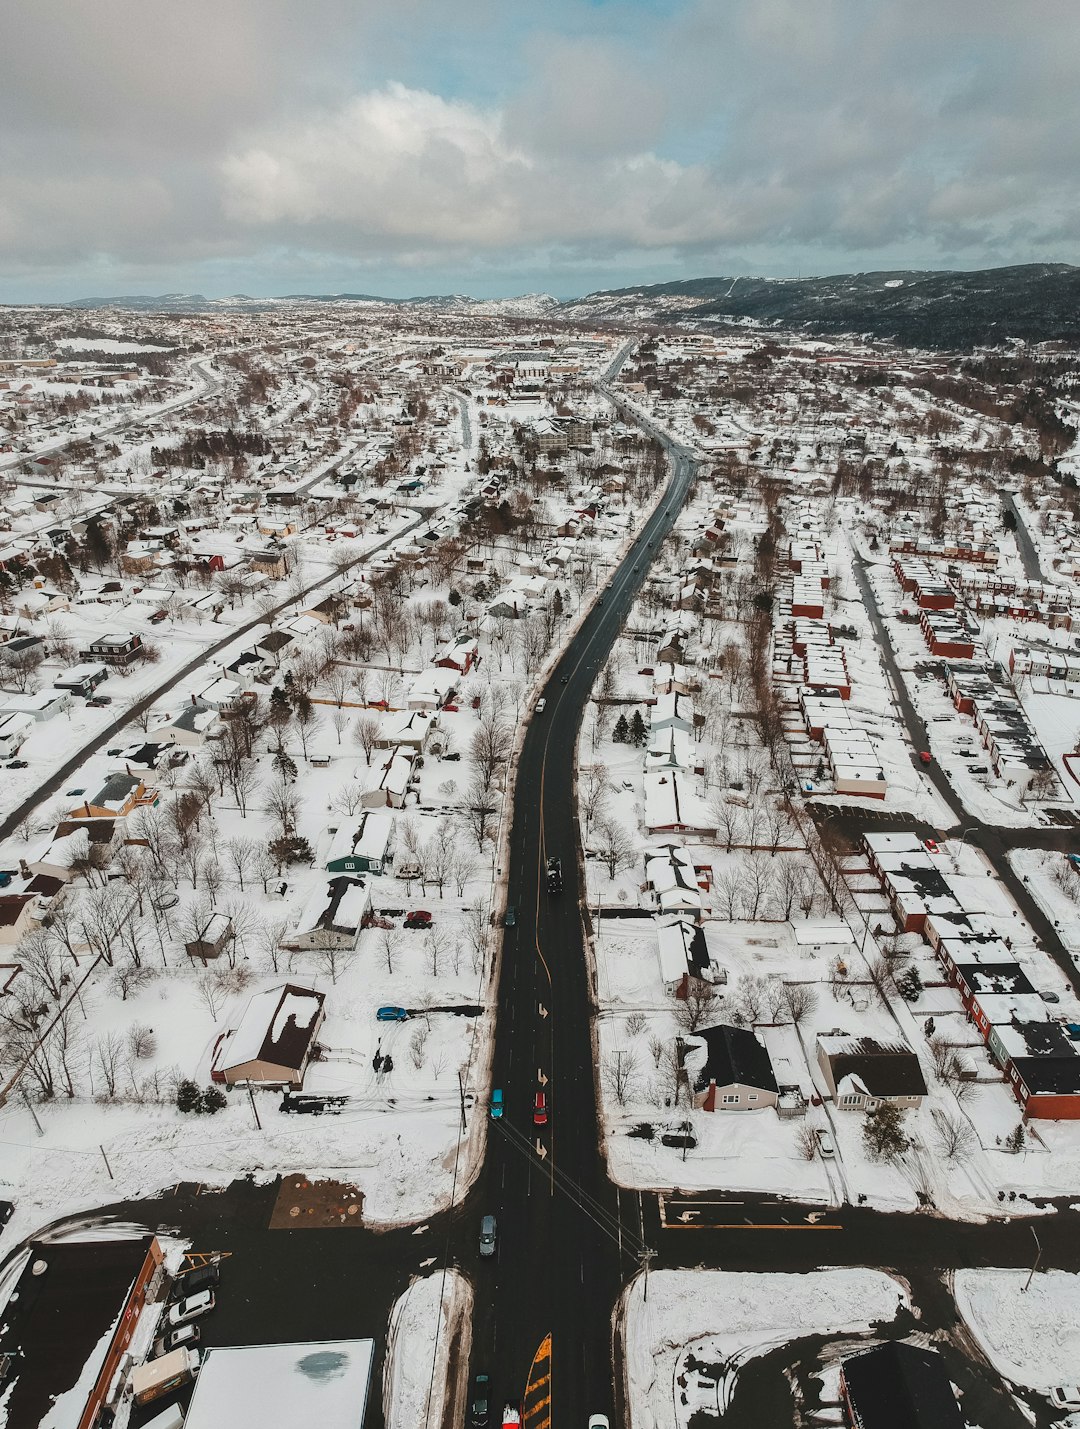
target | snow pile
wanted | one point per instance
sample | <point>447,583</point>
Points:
<point>726,1319</point>
<point>1032,1338</point>
<point>424,1324</point>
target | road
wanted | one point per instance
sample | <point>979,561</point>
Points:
<point>994,841</point>
<point>1029,554</point>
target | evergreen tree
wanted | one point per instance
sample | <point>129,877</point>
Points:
<point>883,1132</point>
<point>1015,1139</point>
<point>212,1100</point>
<point>188,1096</point>
<point>621,733</point>
<point>639,734</point>
<point>557,604</point>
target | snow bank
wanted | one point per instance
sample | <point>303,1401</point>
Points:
<point>726,1319</point>
<point>439,1306</point>
<point>1032,1338</point>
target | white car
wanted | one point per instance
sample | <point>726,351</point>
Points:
<point>825,1145</point>
<point>1065,1396</point>
<point>598,1421</point>
<point>190,1309</point>
<point>541,706</point>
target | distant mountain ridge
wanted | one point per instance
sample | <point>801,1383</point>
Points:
<point>1033,302</point>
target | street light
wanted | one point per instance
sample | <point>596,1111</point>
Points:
<point>974,829</point>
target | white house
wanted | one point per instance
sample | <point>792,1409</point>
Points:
<point>334,914</point>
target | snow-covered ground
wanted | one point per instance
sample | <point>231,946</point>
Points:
<point>1029,1332</point>
<point>686,1342</point>
<point>425,1375</point>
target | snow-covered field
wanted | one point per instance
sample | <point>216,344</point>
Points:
<point>1029,1333</point>
<point>425,1374</point>
<point>686,1342</point>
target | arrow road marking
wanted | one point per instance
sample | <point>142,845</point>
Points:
<point>430,1261</point>
<point>688,1216</point>
<point>543,1010</point>
<point>541,1149</point>
<point>540,1077</point>
<point>814,1217</point>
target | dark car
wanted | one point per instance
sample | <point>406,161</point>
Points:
<point>510,916</point>
<point>554,875</point>
<point>480,1407</point>
<point>200,1277</point>
<point>18,764</point>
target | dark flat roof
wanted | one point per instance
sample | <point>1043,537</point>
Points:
<point>900,1386</point>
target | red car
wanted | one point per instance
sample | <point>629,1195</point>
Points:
<point>924,757</point>
<point>540,1111</point>
<point>418,918</point>
<point>931,845</point>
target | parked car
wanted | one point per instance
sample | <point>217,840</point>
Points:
<point>540,1110</point>
<point>418,918</point>
<point>391,1014</point>
<point>184,1337</point>
<point>825,1145</point>
<point>541,706</point>
<point>1065,1396</point>
<point>18,764</point>
<point>199,1277</point>
<point>600,1421</point>
<point>497,1103</point>
<point>480,1407</point>
<point>487,1236</point>
<point>931,845</point>
<point>510,916</point>
<point>925,757</point>
<point>190,1309</point>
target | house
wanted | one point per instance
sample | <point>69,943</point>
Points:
<point>406,729</point>
<point>81,679</point>
<point>683,952</point>
<point>270,562</point>
<point>391,781</point>
<point>671,877</point>
<point>672,711</point>
<point>114,649</point>
<point>364,847</point>
<point>192,727</point>
<point>211,939</point>
<point>68,1325</point>
<point>14,729</point>
<point>220,694</point>
<point>117,797</point>
<point>729,1069</point>
<point>1041,1061</point>
<point>334,915</point>
<point>38,705</point>
<point>59,854</point>
<point>461,654</point>
<point>274,1039</point>
<point>672,806</point>
<point>431,689</point>
<point>898,1386</point>
<point>18,915</point>
<point>862,1073</point>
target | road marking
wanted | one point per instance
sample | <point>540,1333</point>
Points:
<point>543,1010</point>
<point>541,1149</point>
<point>540,1077</point>
<point>688,1216</point>
<point>749,1226</point>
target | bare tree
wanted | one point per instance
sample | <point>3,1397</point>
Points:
<point>800,999</point>
<point>806,1142</point>
<point>693,1011</point>
<point>366,734</point>
<point>388,940</point>
<point>620,1073</point>
<point>955,1135</point>
<point>242,855</point>
<point>593,790</point>
<point>615,846</point>
<point>110,1057</point>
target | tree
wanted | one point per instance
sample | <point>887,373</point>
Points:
<point>593,791</point>
<point>800,999</point>
<point>806,1142</point>
<point>955,1135</point>
<point>366,734</point>
<point>479,809</point>
<point>615,846</point>
<point>696,1008</point>
<point>909,984</point>
<point>1014,1142</point>
<point>639,734</point>
<point>621,733</point>
<point>883,1132</point>
<point>490,745</point>
<point>620,1073</point>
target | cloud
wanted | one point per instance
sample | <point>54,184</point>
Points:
<point>399,136</point>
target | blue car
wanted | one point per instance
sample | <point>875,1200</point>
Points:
<point>391,1014</point>
<point>497,1103</point>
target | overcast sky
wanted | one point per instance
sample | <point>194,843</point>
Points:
<point>495,147</point>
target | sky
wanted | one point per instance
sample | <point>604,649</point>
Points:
<point>492,147</point>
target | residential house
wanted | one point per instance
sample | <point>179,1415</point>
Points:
<point>363,847</point>
<point>59,853</point>
<point>18,915</point>
<point>212,938</point>
<point>461,654</point>
<point>406,729</point>
<point>81,679</point>
<point>334,915</point>
<point>672,806</point>
<point>38,705</point>
<point>729,1069</point>
<point>118,796</point>
<point>862,1073</point>
<point>116,648</point>
<point>671,877</point>
<point>390,781</point>
<point>192,727</point>
<point>683,951</point>
<point>274,1040</point>
<point>432,689</point>
<point>898,1386</point>
<point>14,730</point>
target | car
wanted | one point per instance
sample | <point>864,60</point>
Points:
<point>18,764</point>
<point>541,706</point>
<point>600,601</point>
<point>496,1103</point>
<point>510,916</point>
<point>1065,1396</point>
<point>186,1337</point>
<point>599,1421</point>
<point>199,1277</point>
<point>480,1407</point>
<point>825,1145</point>
<point>418,918</point>
<point>925,757</point>
<point>1074,859</point>
<point>488,1233</point>
<point>452,757</point>
<point>563,679</point>
<point>931,845</point>
<point>540,1109</point>
<point>190,1309</point>
<point>1049,997</point>
<point>157,617</point>
<point>391,1014</point>
<point>554,875</point>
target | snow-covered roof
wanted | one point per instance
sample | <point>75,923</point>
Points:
<point>250,1386</point>
<point>276,1027</point>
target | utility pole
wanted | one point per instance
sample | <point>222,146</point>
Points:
<point>646,1256</point>
<point>30,1109</point>
<point>106,1160</point>
<point>461,1095</point>
<point>1038,1257</point>
<point>254,1108</point>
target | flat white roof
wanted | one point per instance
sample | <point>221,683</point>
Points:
<point>323,1382</point>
